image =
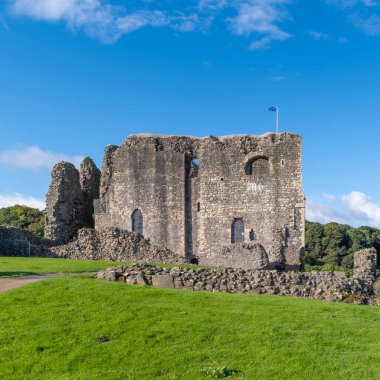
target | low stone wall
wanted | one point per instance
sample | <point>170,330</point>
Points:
<point>116,245</point>
<point>18,242</point>
<point>316,285</point>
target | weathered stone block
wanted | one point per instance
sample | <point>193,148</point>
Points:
<point>365,264</point>
<point>163,281</point>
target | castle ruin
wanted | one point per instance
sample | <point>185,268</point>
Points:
<point>230,201</point>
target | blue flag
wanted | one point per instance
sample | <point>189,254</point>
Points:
<point>273,109</point>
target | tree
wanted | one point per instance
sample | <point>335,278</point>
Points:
<point>24,217</point>
<point>335,243</point>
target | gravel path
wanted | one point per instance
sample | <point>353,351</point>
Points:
<point>9,283</point>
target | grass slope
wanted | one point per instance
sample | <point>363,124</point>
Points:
<point>20,266</point>
<point>76,327</point>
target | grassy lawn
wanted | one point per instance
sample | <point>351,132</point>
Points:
<point>75,327</point>
<point>20,266</point>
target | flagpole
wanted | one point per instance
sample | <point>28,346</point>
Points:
<point>277,111</point>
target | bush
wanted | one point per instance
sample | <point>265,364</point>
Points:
<point>328,268</point>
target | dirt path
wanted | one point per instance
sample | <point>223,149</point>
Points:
<point>9,283</point>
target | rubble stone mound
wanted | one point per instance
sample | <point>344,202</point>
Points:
<point>315,285</point>
<point>115,244</point>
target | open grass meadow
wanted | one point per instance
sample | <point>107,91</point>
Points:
<point>76,327</point>
<point>22,266</point>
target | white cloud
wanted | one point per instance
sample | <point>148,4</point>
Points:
<point>260,17</point>
<point>369,25</point>
<point>354,208</point>
<point>362,206</point>
<point>101,19</point>
<point>325,213</point>
<point>319,36</point>
<point>98,19</point>
<point>12,199</point>
<point>329,197</point>
<point>363,14</point>
<point>33,157</point>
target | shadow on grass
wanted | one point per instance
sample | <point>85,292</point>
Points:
<point>17,274</point>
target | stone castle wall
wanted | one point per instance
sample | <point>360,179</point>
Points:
<point>149,176</point>
<point>190,206</point>
<point>17,242</point>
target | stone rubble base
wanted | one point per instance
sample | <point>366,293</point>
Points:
<point>315,285</point>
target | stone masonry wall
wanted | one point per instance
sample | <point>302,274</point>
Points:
<point>17,242</point>
<point>63,203</point>
<point>316,285</point>
<point>271,205</point>
<point>89,177</point>
<point>365,264</point>
<point>149,175</point>
<point>191,211</point>
<point>69,201</point>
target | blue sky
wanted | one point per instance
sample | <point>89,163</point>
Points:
<point>76,75</point>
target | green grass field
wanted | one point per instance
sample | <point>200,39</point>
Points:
<point>75,327</point>
<point>20,266</point>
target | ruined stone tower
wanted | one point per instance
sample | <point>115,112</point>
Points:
<point>69,201</point>
<point>232,200</point>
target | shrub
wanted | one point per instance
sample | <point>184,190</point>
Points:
<point>328,268</point>
<point>219,373</point>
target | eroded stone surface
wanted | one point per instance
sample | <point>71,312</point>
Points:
<point>63,203</point>
<point>116,245</point>
<point>69,201</point>
<point>18,242</point>
<point>365,264</point>
<point>190,192</point>
<point>316,285</point>
<point>89,176</point>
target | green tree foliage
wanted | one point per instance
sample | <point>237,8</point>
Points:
<point>335,244</point>
<point>30,219</point>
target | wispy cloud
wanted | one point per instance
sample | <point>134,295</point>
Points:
<point>364,14</point>
<point>354,208</point>
<point>277,78</point>
<point>319,36</point>
<point>33,157</point>
<point>12,199</point>
<point>259,17</point>
<point>108,22</point>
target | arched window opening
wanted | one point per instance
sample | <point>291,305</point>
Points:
<point>194,168</point>
<point>237,231</point>
<point>258,168</point>
<point>137,222</point>
<point>252,235</point>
